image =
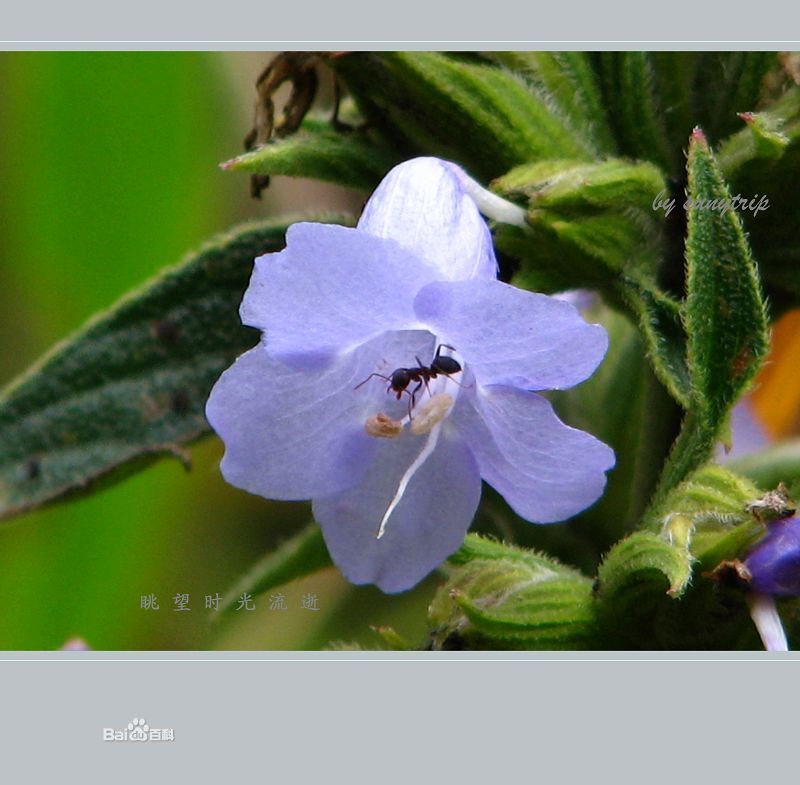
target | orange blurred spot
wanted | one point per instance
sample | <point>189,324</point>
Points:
<point>776,396</point>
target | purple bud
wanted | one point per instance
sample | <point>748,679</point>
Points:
<point>774,563</point>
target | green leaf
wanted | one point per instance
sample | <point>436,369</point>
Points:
<point>725,315</point>
<point>481,116</point>
<point>355,158</point>
<point>302,555</point>
<point>635,108</point>
<point>568,79</point>
<point>132,384</point>
<point>659,319</point>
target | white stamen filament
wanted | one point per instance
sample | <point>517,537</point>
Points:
<point>430,446</point>
<point>768,622</point>
<point>428,420</point>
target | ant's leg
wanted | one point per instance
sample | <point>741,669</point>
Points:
<point>379,375</point>
<point>460,384</point>
<point>412,399</point>
<point>425,373</point>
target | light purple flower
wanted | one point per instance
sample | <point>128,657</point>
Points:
<point>339,304</point>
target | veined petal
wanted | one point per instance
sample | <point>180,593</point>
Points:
<point>426,526</point>
<point>330,289</point>
<point>292,434</point>
<point>510,336</point>
<point>545,470</point>
<point>423,205</point>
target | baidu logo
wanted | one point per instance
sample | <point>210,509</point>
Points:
<point>138,730</point>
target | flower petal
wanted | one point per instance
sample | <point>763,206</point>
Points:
<point>774,562</point>
<point>545,470</point>
<point>510,336</point>
<point>427,525</point>
<point>293,434</point>
<point>422,205</point>
<point>329,290</point>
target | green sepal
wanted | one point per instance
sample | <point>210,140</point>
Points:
<point>132,384</point>
<point>644,560</point>
<point>357,158</point>
<point>712,494</point>
<point>303,554</point>
<point>710,511</point>
<point>614,184</point>
<point>506,597</point>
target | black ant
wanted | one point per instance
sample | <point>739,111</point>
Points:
<point>421,374</point>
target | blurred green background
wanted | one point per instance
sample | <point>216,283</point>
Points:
<point>108,172</point>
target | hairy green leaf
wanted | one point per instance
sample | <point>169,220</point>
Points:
<point>567,79</point>
<point>724,314</point>
<point>132,384</point>
<point>726,320</point>
<point>355,158</point>
<point>635,108</point>
<point>482,116</point>
<point>659,319</point>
